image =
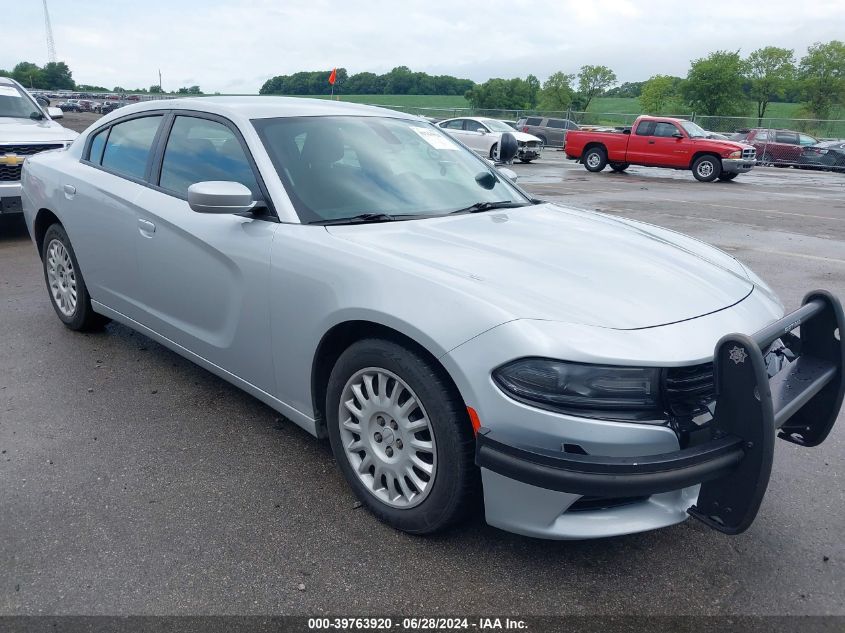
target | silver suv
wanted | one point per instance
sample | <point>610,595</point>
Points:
<point>550,131</point>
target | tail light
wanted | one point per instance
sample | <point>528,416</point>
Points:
<point>524,128</point>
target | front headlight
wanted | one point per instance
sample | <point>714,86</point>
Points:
<point>596,391</point>
<point>736,154</point>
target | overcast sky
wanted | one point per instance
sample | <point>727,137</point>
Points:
<point>235,45</point>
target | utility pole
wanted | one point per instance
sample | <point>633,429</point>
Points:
<point>51,45</point>
<point>159,80</point>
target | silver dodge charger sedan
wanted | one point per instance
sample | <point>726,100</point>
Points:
<point>373,280</point>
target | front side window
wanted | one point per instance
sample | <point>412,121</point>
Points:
<point>340,167</point>
<point>664,129</point>
<point>198,150</point>
<point>128,146</point>
<point>790,138</point>
<point>474,126</point>
<point>803,139</point>
<point>762,135</point>
<point>645,128</point>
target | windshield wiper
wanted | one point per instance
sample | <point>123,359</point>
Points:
<point>361,218</point>
<point>478,207</point>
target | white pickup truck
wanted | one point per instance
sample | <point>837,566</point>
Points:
<point>25,129</point>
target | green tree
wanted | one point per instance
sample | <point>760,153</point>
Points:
<point>768,72</point>
<point>714,85</point>
<point>502,94</point>
<point>557,92</point>
<point>593,81</point>
<point>156,89</point>
<point>5,73</point>
<point>57,76</point>
<point>659,94</point>
<point>118,89</point>
<point>29,75</point>
<point>822,75</point>
<point>194,90</point>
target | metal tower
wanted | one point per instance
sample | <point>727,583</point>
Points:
<point>51,45</point>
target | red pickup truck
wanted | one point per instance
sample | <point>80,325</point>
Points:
<point>662,142</point>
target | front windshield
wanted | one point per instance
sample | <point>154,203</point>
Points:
<point>338,167</point>
<point>693,130</point>
<point>14,103</point>
<point>497,126</point>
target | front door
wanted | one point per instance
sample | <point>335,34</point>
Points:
<point>204,279</point>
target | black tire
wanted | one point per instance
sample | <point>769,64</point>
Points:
<point>728,176</point>
<point>455,483</point>
<point>619,167</point>
<point>493,151</point>
<point>766,159</point>
<point>595,159</point>
<point>543,140</point>
<point>706,168</point>
<point>82,317</point>
<point>525,160</point>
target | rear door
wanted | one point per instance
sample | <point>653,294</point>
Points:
<point>203,278</point>
<point>101,195</point>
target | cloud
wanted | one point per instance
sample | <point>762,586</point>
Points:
<point>233,46</point>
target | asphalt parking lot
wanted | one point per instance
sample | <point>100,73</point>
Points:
<point>135,482</point>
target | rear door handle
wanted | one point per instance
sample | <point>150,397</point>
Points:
<point>146,226</point>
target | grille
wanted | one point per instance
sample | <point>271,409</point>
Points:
<point>27,150</point>
<point>13,172</point>
<point>690,393</point>
<point>749,153</point>
<point>10,173</point>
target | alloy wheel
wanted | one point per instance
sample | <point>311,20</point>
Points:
<point>61,277</point>
<point>387,437</point>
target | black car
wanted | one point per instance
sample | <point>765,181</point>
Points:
<point>111,106</point>
<point>827,155</point>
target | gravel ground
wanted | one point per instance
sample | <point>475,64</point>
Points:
<point>134,482</point>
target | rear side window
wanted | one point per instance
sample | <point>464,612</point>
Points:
<point>95,153</point>
<point>762,135</point>
<point>787,137</point>
<point>559,124</point>
<point>533,121</point>
<point>128,147</point>
<point>199,150</point>
<point>806,140</point>
<point>457,124</point>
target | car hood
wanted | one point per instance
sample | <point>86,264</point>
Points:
<point>15,130</point>
<point>525,138</point>
<point>555,263</point>
<point>724,145</point>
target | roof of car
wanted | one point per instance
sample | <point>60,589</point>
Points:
<point>259,107</point>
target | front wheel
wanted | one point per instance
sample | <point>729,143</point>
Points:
<point>595,159</point>
<point>493,150</point>
<point>401,436</point>
<point>725,177</point>
<point>68,292</point>
<point>525,160</point>
<point>706,168</point>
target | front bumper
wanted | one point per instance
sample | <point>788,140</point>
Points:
<point>10,197</point>
<point>732,468</point>
<point>528,153</point>
<point>737,165</point>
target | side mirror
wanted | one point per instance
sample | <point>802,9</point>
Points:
<point>677,135</point>
<point>55,113</point>
<point>510,174</point>
<point>220,196</point>
<point>508,147</point>
<point>481,130</point>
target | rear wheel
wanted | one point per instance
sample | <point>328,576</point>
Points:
<point>65,284</point>
<point>619,167</point>
<point>525,160</point>
<point>706,168</point>
<point>595,159</point>
<point>766,159</point>
<point>725,177</point>
<point>401,436</point>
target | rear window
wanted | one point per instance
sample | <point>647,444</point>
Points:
<point>533,121</point>
<point>128,146</point>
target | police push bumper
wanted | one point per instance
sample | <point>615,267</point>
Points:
<point>798,404</point>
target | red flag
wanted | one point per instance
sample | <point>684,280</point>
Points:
<point>333,76</point>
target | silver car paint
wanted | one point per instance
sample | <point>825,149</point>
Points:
<point>251,300</point>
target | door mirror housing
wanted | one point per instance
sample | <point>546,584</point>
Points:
<point>508,147</point>
<point>677,135</point>
<point>220,196</point>
<point>55,113</point>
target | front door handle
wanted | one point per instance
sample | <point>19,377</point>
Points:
<point>146,226</point>
<point>651,142</point>
<point>70,191</point>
